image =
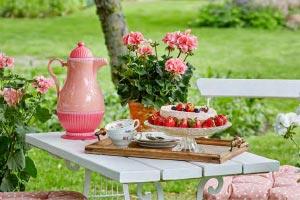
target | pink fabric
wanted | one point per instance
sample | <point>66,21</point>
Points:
<point>286,176</point>
<point>55,195</point>
<point>281,185</point>
<point>285,193</point>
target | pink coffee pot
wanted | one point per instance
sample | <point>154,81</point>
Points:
<point>80,106</point>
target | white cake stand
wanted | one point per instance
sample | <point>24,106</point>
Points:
<point>188,135</point>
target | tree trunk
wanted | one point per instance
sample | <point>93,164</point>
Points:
<point>114,27</point>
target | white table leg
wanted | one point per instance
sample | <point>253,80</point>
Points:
<point>140,195</point>
<point>211,190</point>
<point>160,191</point>
<point>147,196</point>
<point>87,182</point>
<point>72,166</point>
<point>126,192</point>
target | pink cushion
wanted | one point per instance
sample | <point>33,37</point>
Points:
<point>57,195</point>
<point>281,185</point>
<point>286,176</point>
<point>251,187</point>
<point>285,193</point>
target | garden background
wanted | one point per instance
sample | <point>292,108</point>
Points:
<point>223,52</point>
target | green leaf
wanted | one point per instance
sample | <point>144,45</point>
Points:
<point>42,114</point>
<point>22,129</point>
<point>4,143</point>
<point>9,183</point>
<point>2,118</point>
<point>16,161</point>
<point>30,168</point>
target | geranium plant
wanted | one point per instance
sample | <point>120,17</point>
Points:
<point>156,80</point>
<point>20,106</point>
<point>286,125</point>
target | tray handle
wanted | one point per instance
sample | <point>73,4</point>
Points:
<point>102,132</point>
<point>237,142</point>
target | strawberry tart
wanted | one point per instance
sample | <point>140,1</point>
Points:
<point>187,116</point>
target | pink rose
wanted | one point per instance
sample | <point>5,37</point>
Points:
<point>175,65</point>
<point>42,84</point>
<point>187,42</point>
<point>9,61</point>
<point>11,96</point>
<point>145,50</point>
<point>171,39</point>
<point>133,38</point>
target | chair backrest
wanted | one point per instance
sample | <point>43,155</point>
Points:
<point>265,88</point>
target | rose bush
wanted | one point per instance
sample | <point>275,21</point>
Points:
<point>20,106</point>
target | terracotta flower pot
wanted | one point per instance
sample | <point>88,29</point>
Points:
<point>140,112</point>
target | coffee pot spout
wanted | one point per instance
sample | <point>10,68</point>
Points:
<point>99,62</point>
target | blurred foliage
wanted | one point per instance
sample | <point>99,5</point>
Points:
<point>38,8</point>
<point>231,14</point>
<point>249,116</point>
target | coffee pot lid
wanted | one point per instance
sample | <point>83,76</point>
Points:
<point>81,51</point>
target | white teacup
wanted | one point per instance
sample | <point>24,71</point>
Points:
<point>122,132</point>
<point>123,124</point>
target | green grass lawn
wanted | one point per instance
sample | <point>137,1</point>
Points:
<point>246,52</point>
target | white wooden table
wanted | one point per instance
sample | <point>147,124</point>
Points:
<point>141,170</point>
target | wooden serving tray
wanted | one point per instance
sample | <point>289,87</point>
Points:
<point>216,151</point>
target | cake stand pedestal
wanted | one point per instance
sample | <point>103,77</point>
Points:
<point>188,135</point>
<point>189,144</point>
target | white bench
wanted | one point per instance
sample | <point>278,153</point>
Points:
<point>262,88</point>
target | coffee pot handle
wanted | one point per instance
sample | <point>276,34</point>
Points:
<point>53,75</point>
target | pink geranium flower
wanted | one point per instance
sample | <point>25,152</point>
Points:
<point>12,96</point>
<point>187,42</point>
<point>133,38</point>
<point>42,84</point>
<point>171,39</point>
<point>9,61</point>
<point>6,61</point>
<point>175,65</point>
<point>145,50</point>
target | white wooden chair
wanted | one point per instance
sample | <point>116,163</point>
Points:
<point>260,88</point>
